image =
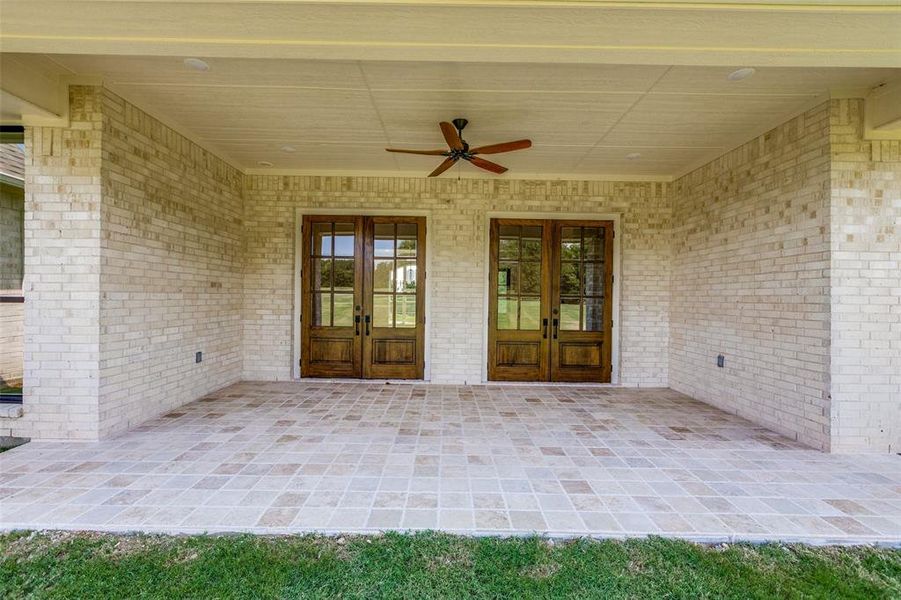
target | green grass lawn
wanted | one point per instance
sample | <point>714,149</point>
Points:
<point>429,565</point>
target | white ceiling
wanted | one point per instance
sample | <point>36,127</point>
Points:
<point>583,119</point>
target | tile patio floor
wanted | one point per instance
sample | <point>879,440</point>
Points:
<point>358,457</point>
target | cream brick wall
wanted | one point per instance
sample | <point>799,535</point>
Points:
<point>133,263</point>
<point>751,280</point>
<point>62,274</point>
<point>142,248</point>
<point>170,278</point>
<point>456,280</point>
<point>866,286</point>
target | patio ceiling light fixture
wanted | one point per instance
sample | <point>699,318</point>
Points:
<point>741,74</point>
<point>195,64</point>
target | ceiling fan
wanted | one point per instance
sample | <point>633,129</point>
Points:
<point>453,135</point>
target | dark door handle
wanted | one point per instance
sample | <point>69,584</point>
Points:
<point>356,324</point>
<point>556,323</point>
<point>544,324</point>
<point>367,319</point>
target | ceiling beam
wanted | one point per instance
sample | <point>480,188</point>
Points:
<point>777,33</point>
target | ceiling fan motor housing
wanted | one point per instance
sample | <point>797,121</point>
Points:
<point>460,124</point>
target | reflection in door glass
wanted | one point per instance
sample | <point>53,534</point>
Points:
<point>383,275</point>
<point>593,279</point>
<point>322,239</point>
<point>529,313</point>
<point>405,310</point>
<point>384,240</point>
<point>405,275</point>
<point>406,239</point>
<point>569,279</point>
<point>344,239</point>
<point>344,274</point>
<point>571,243</point>
<point>530,278</point>
<point>508,278</point>
<point>322,273</point>
<point>569,314</point>
<point>594,243</point>
<point>593,314</point>
<point>531,243</point>
<point>506,313</point>
<point>382,310</point>
<point>322,310</point>
<point>343,314</point>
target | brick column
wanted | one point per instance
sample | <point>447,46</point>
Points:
<point>62,273</point>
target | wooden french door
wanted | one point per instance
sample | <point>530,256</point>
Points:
<point>363,297</point>
<point>550,305</point>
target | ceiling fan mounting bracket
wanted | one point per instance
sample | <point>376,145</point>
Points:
<point>460,124</point>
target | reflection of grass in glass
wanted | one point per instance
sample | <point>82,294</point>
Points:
<point>529,314</point>
<point>382,310</point>
<point>506,313</point>
<point>344,310</point>
<point>569,317</point>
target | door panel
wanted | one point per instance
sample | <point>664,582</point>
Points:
<point>332,277</point>
<point>556,276</point>
<point>394,299</point>
<point>518,301</point>
<point>581,317</point>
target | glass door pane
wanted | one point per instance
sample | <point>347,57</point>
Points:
<point>519,277</point>
<point>332,273</point>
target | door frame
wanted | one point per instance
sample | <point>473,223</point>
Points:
<point>617,279</point>
<point>296,332</point>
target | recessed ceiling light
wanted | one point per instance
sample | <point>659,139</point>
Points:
<point>289,149</point>
<point>264,163</point>
<point>741,74</point>
<point>633,155</point>
<point>195,64</point>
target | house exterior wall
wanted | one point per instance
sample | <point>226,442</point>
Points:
<point>62,274</point>
<point>133,263</point>
<point>12,314</point>
<point>751,280</point>
<point>458,210</point>
<point>171,269</point>
<point>866,285</point>
<point>784,255</point>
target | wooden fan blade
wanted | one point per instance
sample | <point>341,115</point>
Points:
<point>505,147</point>
<point>451,136</point>
<point>487,165</point>
<point>447,164</point>
<point>427,152</point>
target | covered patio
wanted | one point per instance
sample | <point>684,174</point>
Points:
<point>487,459</point>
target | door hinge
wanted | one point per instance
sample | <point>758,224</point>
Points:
<point>612,278</point>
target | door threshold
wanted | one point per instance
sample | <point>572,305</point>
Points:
<point>553,384</point>
<point>358,380</point>
<point>593,384</point>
